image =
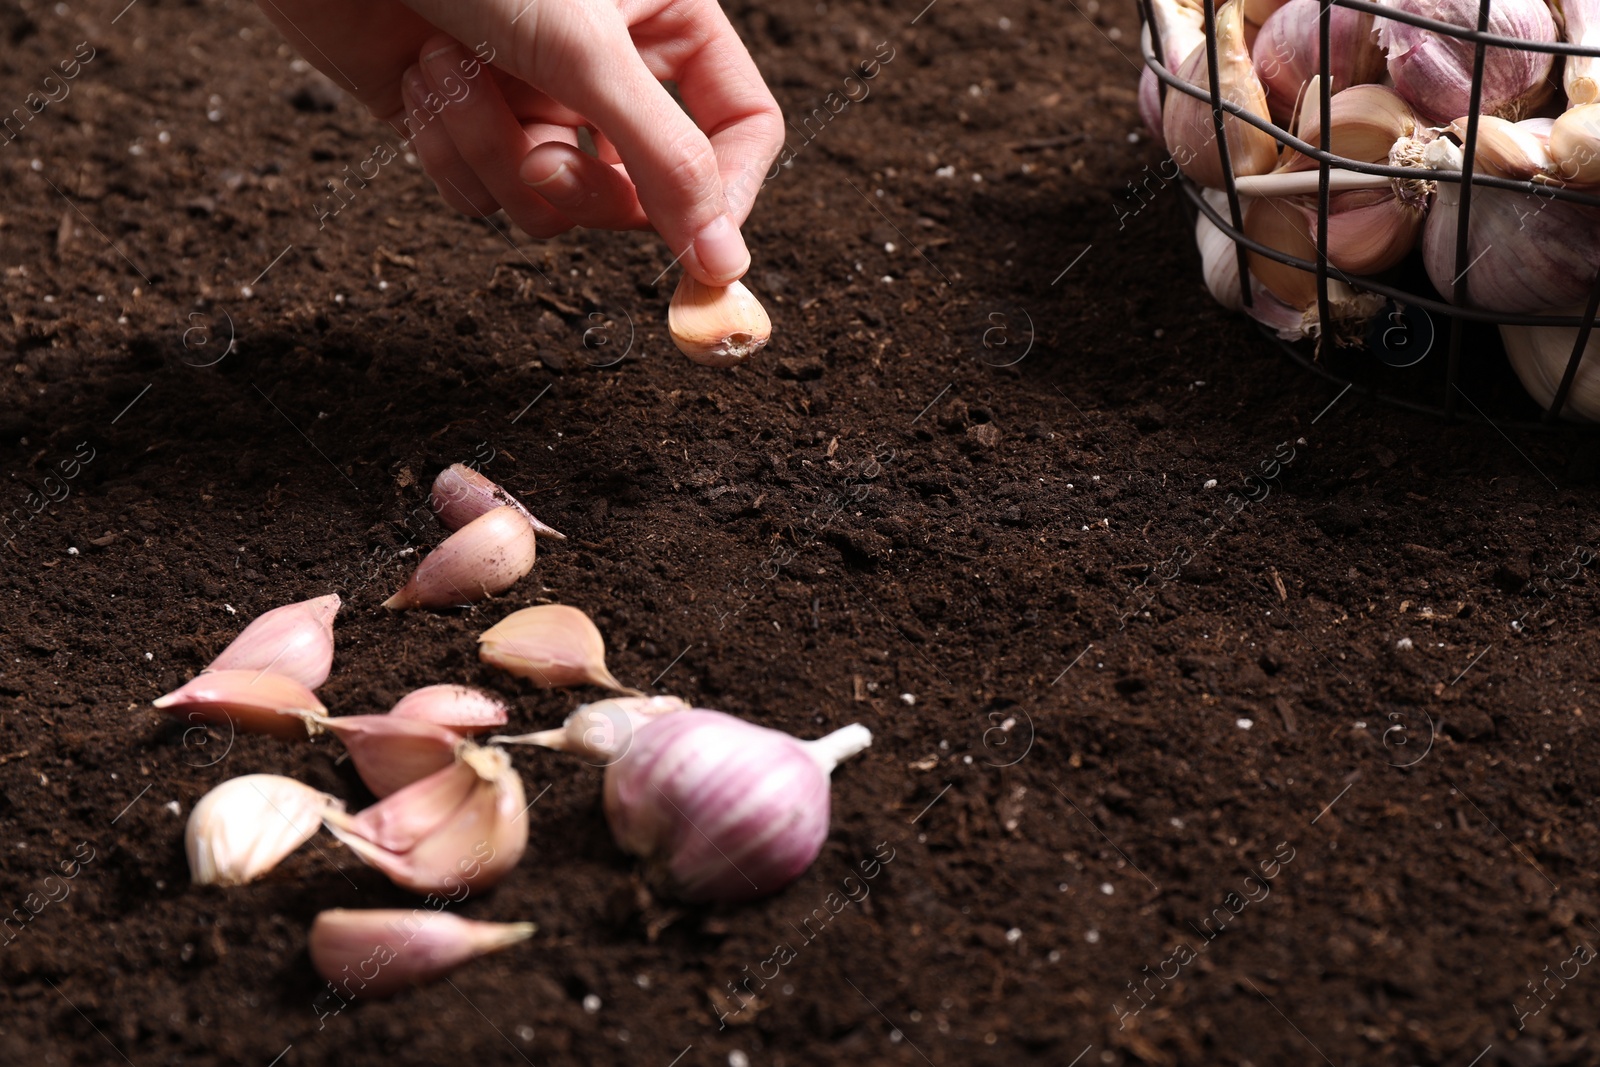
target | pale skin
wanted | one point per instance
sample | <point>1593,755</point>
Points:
<point>508,139</point>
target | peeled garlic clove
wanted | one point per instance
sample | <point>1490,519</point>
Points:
<point>603,731</point>
<point>246,826</point>
<point>1434,72</point>
<point>474,845</point>
<point>295,640</point>
<point>405,947</point>
<point>728,810</point>
<point>1581,25</point>
<point>1524,253</point>
<point>1574,144</point>
<point>1539,355</point>
<point>389,753</point>
<point>1287,53</point>
<point>1188,125</point>
<point>256,702</point>
<point>552,645</point>
<point>717,327</point>
<point>488,555</point>
<point>461,494</point>
<point>1217,253</point>
<point>1517,150</point>
<point>458,707</point>
<point>1365,121</point>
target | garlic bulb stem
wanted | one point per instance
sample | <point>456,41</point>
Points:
<point>1305,182</point>
<point>835,748</point>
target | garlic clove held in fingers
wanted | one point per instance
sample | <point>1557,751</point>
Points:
<point>717,327</point>
<point>389,753</point>
<point>551,645</point>
<point>246,826</point>
<point>488,555</point>
<point>726,809</point>
<point>460,707</point>
<point>601,732</point>
<point>255,702</point>
<point>460,494</point>
<point>400,947</point>
<point>450,850</point>
<point>295,640</point>
<point>1189,124</point>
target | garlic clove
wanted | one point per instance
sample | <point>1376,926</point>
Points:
<point>488,555</point>
<point>1188,123</point>
<point>405,946</point>
<point>474,845</point>
<point>1574,144</point>
<point>1581,25</point>
<point>256,702</point>
<point>725,809</point>
<point>1278,225</point>
<point>1539,355</point>
<point>403,818</point>
<point>1350,310</point>
<point>1364,123</point>
<point>552,645</point>
<point>1217,253</point>
<point>389,753</point>
<point>1517,150</point>
<point>461,494</point>
<point>717,327</point>
<point>246,826</point>
<point>601,732</point>
<point>295,640</point>
<point>1369,230</point>
<point>459,707</point>
<point>1287,52</point>
<point>1182,26</point>
<point>1434,72</point>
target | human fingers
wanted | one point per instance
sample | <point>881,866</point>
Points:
<point>582,188</point>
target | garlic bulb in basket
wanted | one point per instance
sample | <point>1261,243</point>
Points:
<point>1581,77</point>
<point>1434,72</point>
<point>1288,49</point>
<point>1218,257</point>
<point>1188,123</point>
<point>1539,355</point>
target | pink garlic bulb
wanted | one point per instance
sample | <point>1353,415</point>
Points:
<point>1434,72</point>
<point>461,494</point>
<point>726,809</point>
<point>295,640</point>
<point>1287,51</point>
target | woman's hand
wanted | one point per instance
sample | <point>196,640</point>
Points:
<point>506,138</point>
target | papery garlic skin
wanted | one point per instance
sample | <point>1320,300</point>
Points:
<point>459,707</point>
<point>551,645</point>
<point>601,732</point>
<point>246,826</point>
<point>1287,52</point>
<point>295,640</point>
<point>1519,150</point>
<point>390,753</point>
<point>1218,255</point>
<point>1365,121</point>
<point>460,494</point>
<point>378,953</point>
<point>488,555</point>
<point>1369,230</point>
<point>1434,72</point>
<point>1525,253</point>
<point>727,810</point>
<point>717,327</point>
<point>255,702</point>
<point>1188,125</point>
<point>1573,143</point>
<point>471,846</point>
<point>1581,76</point>
<point>1539,355</point>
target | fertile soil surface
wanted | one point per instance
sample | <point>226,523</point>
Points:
<point>1219,717</point>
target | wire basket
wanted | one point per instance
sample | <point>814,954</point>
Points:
<point>1387,366</point>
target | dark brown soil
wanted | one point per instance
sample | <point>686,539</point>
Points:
<point>879,521</point>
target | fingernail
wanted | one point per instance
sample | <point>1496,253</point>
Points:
<point>438,53</point>
<point>441,63</point>
<point>413,87</point>
<point>721,251</point>
<point>559,186</point>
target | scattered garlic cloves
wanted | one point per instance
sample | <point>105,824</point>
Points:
<point>295,640</point>
<point>389,753</point>
<point>475,843</point>
<point>246,826</point>
<point>256,702</point>
<point>552,645</point>
<point>461,494</point>
<point>488,555</point>
<point>717,327</point>
<point>407,946</point>
<point>602,731</point>
<point>458,707</point>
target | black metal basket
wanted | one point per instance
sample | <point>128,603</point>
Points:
<point>1367,368</point>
